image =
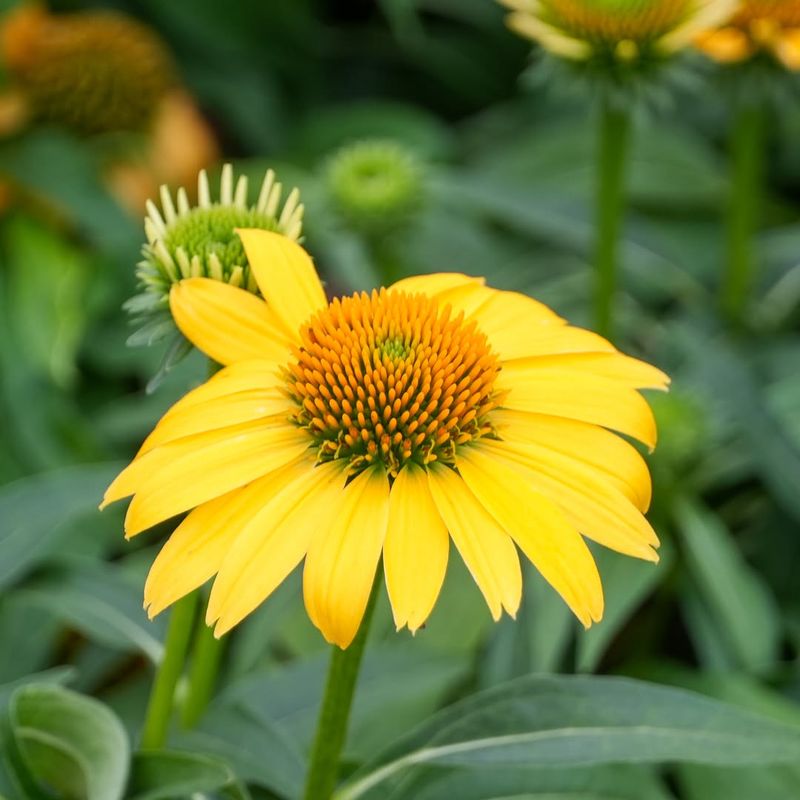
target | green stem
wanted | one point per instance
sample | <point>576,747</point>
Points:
<point>614,134</point>
<point>206,658</point>
<point>159,707</point>
<point>747,165</point>
<point>335,711</point>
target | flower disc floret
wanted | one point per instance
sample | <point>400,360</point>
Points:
<point>389,378</point>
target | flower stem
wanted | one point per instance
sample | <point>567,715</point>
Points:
<point>206,658</point>
<point>747,164</point>
<point>335,711</point>
<point>614,133</point>
<point>159,707</point>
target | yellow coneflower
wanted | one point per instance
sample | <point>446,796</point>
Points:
<point>387,424</point>
<point>621,29</point>
<point>759,26</point>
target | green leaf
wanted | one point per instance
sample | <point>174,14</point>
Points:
<point>69,742</point>
<point>562,721</point>
<point>620,782</point>
<point>742,783</point>
<point>257,751</point>
<point>102,604</point>
<point>627,583</point>
<point>35,511</point>
<point>533,642</point>
<point>741,605</point>
<point>399,685</point>
<point>66,172</point>
<point>166,774</point>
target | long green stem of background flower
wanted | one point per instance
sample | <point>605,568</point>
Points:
<point>335,711</point>
<point>160,705</point>
<point>206,658</point>
<point>614,133</point>
<point>747,165</point>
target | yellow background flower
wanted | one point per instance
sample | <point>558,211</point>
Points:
<point>387,424</point>
<point>579,29</point>
<point>771,26</point>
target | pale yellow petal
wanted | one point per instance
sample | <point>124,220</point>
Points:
<point>582,396</point>
<point>596,447</point>
<point>435,283</point>
<point>183,474</point>
<point>551,38</point>
<point>285,275</point>
<point>226,323</point>
<point>486,548</point>
<point>596,508</point>
<point>416,549</point>
<point>615,366</point>
<point>222,412</point>
<point>343,556</point>
<point>274,540</point>
<point>539,528</point>
<point>200,544</point>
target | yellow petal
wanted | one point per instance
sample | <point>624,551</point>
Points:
<point>538,527</point>
<point>183,474</point>
<point>199,545</point>
<point>285,275</point>
<point>341,561</point>
<point>726,45</point>
<point>593,506</point>
<point>582,396</point>
<point>221,412</point>
<point>552,39</point>
<point>552,341</point>
<point>598,448</point>
<point>436,283</point>
<point>226,323</point>
<point>615,366</point>
<point>274,540</point>
<point>486,548</point>
<point>416,549</point>
<point>787,49</point>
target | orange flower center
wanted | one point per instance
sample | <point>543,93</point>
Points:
<point>613,21</point>
<point>390,377</point>
<point>782,12</point>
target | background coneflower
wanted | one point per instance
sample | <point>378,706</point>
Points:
<point>104,75</point>
<point>622,48</point>
<point>758,50</point>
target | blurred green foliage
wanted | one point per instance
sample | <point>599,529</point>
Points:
<point>508,187</point>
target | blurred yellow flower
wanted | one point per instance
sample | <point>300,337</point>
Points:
<point>93,72</point>
<point>622,29</point>
<point>759,26</point>
<point>388,424</point>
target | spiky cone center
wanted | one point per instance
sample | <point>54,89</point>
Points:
<point>784,13</point>
<point>388,378</point>
<point>185,241</point>
<point>609,22</point>
<point>93,72</point>
<point>376,184</point>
